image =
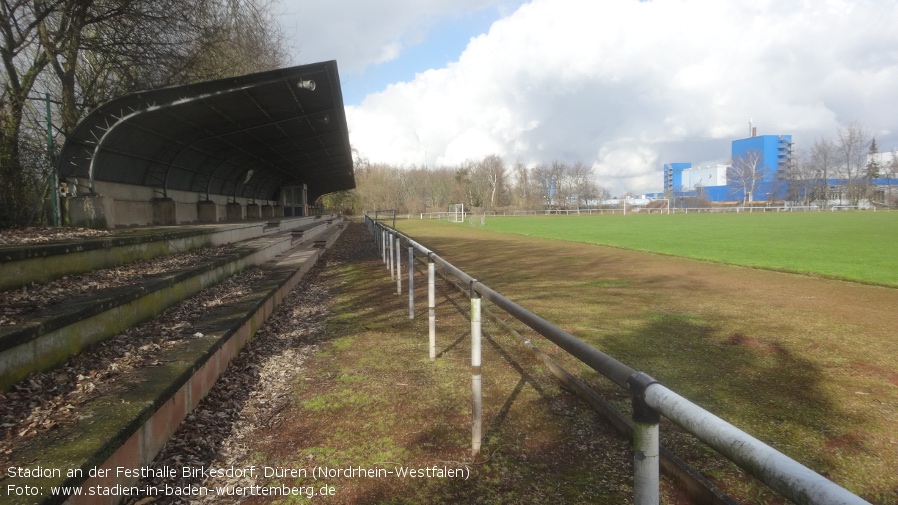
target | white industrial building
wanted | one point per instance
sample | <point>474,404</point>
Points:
<point>703,177</point>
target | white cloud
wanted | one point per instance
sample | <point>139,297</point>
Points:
<point>626,86</point>
<point>361,33</point>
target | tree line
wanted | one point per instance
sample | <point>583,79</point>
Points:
<point>64,58</point>
<point>488,184</point>
<point>843,169</point>
<point>851,157</point>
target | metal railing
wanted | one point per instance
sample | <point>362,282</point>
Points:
<point>650,399</point>
<point>751,209</point>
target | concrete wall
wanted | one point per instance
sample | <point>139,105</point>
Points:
<point>91,212</point>
<point>129,205</point>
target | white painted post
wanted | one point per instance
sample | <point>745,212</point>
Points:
<point>646,478</point>
<point>411,281</point>
<point>398,266</point>
<point>646,458</point>
<point>476,377</point>
<point>392,273</point>
<point>383,245</point>
<point>431,307</point>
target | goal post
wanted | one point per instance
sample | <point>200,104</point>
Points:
<point>456,213</point>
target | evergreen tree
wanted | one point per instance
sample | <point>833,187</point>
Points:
<point>873,166</point>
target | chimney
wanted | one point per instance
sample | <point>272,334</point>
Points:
<point>754,131</point>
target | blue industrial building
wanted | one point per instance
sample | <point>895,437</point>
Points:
<point>769,155</point>
<point>775,151</point>
<point>673,176</point>
<point>760,164</point>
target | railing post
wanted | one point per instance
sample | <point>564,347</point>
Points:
<point>398,250</point>
<point>390,239</point>
<point>646,472</point>
<point>476,377</point>
<point>411,281</point>
<point>383,245</point>
<point>431,307</point>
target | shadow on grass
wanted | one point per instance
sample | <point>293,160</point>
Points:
<point>736,368</point>
<point>760,387</point>
<point>525,379</point>
<point>540,445</point>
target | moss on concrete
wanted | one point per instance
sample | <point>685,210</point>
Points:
<point>112,419</point>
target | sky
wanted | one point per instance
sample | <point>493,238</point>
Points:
<point>622,85</point>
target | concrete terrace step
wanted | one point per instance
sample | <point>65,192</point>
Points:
<point>47,341</point>
<point>21,265</point>
<point>129,428</point>
<point>326,238</point>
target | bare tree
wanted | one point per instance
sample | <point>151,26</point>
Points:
<point>544,178</point>
<point>476,184</point>
<point>99,49</point>
<point>581,182</point>
<point>808,175</point>
<point>23,62</point>
<point>462,191</point>
<point>241,37</point>
<point>823,160</point>
<point>852,142</point>
<point>378,186</point>
<point>745,172</point>
<point>491,173</point>
<point>529,187</point>
<point>601,194</point>
<point>522,186</point>
<point>84,52</point>
<point>562,184</point>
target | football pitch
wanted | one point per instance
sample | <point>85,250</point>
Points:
<point>856,246</point>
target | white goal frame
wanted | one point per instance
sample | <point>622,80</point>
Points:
<point>456,213</point>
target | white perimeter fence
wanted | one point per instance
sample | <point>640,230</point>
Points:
<point>651,210</point>
<point>650,399</point>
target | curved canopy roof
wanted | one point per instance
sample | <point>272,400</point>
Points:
<point>246,136</point>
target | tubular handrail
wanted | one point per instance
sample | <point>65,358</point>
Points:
<point>776,470</point>
<point>611,368</point>
<point>602,363</point>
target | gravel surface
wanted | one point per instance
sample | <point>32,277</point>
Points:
<point>46,400</point>
<point>254,390</point>
<point>36,235</point>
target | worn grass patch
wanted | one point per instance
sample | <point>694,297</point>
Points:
<point>805,364</point>
<point>373,401</point>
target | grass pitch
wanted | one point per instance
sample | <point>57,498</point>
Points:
<point>856,246</point>
<point>804,363</point>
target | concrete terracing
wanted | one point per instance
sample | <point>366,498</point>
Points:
<point>21,265</point>
<point>127,429</point>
